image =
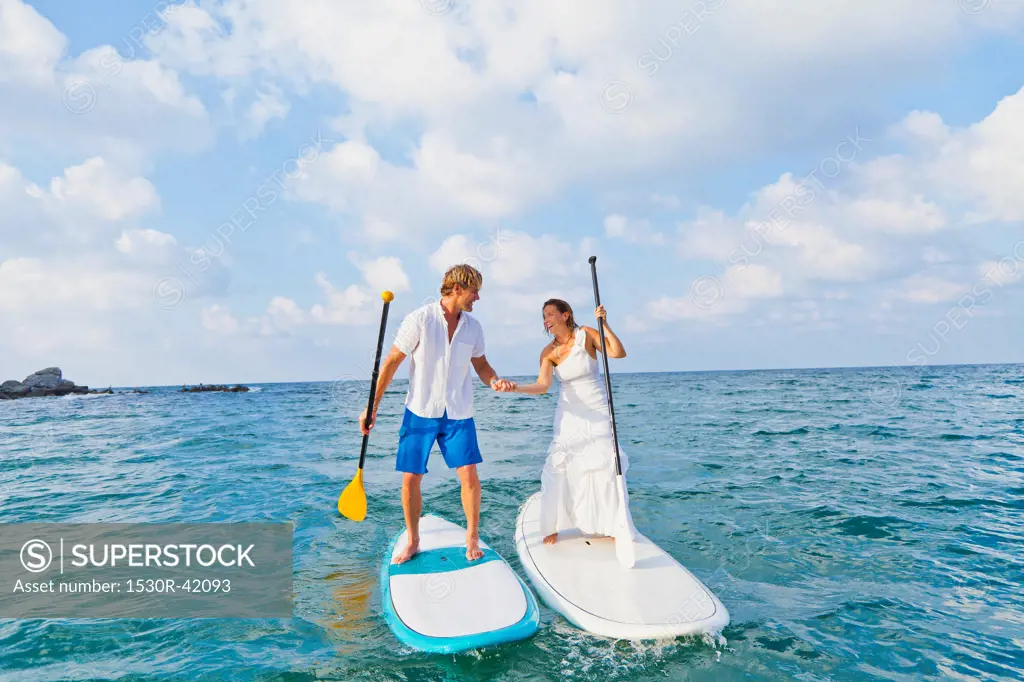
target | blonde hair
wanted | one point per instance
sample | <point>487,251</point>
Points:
<point>465,276</point>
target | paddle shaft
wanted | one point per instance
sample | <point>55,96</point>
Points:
<point>373,378</point>
<point>607,373</point>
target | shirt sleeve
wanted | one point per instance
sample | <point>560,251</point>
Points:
<point>408,336</point>
<point>478,349</point>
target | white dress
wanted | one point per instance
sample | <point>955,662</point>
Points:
<point>578,486</point>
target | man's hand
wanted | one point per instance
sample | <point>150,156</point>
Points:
<point>363,426</point>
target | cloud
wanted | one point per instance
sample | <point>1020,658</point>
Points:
<point>345,306</point>
<point>382,273</point>
<point>29,285</point>
<point>145,243</point>
<point>97,103</point>
<point>30,46</point>
<point>219,320</point>
<point>506,97</point>
<point>353,305</point>
<point>632,232</point>
<point>267,106</point>
<point>931,289</point>
<point>96,188</point>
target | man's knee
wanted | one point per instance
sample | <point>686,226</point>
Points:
<point>411,481</point>
<point>468,476</point>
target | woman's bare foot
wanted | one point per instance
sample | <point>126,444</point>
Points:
<point>473,551</point>
<point>551,539</point>
<point>410,551</point>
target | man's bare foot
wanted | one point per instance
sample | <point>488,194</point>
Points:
<point>410,551</point>
<point>551,539</point>
<point>473,551</point>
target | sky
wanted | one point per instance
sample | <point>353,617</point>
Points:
<point>219,191</point>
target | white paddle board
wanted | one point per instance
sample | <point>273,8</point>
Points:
<point>580,578</point>
<point>440,602</point>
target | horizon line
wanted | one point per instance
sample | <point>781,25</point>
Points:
<point>682,371</point>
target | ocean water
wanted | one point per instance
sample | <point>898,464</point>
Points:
<point>857,523</point>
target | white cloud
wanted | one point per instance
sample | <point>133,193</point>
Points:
<point>383,273</point>
<point>33,285</point>
<point>219,320</point>
<point>755,281</point>
<point>923,126</point>
<point>909,215</point>
<point>618,226</point>
<point>1009,270</point>
<point>285,312</point>
<point>267,106</point>
<point>508,95</point>
<point>30,46</point>
<point>931,289</point>
<point>98,189</point>
<point>345,306</point>
<point>141,242</point>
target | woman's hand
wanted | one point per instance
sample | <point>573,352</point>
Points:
<point>600,313</point>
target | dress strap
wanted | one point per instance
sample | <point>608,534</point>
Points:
<point>581,337</point>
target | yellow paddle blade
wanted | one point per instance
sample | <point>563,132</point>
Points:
<point>352,503</point>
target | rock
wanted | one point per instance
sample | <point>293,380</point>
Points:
<point>45,382</point>
<point>202,388</point>
<point>47,378</point>
<point>14,388</point>
<point>64,387</point>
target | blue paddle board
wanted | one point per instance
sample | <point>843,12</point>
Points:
<point>440,602</point>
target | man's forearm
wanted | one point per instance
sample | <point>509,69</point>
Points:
<point>488,375</point>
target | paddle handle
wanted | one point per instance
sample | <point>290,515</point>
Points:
<point>607,372</point>
<point>376,373</point>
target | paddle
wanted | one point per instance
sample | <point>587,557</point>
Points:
<point>352,502</point>
<point>624,550</point>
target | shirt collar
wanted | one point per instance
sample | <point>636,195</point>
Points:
<point>441,313</point>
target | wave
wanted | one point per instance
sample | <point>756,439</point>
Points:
<point>802,431</point>
<point>873,527</point>
<point>86,396</point>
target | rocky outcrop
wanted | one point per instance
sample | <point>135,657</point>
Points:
<point>45,382</point>
<point>214,387</point>
<point>44,379</point>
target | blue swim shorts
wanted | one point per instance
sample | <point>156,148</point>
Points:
<point>455,437</point>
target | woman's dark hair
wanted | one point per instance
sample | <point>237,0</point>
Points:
<point>562,307</point>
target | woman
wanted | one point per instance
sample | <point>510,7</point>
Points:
<point>578,482</point>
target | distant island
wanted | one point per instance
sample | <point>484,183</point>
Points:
<point>45,382</point>
<point>51,382</point>
<point>214,387</point>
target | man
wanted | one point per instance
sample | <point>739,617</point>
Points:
<point>444,341</point>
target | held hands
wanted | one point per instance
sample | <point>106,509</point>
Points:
<point>363,426</point>
<point>503,386</point>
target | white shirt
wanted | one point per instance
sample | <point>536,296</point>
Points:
<point>439,378</point>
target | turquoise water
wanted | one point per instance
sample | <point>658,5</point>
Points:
<point>858,524</point>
